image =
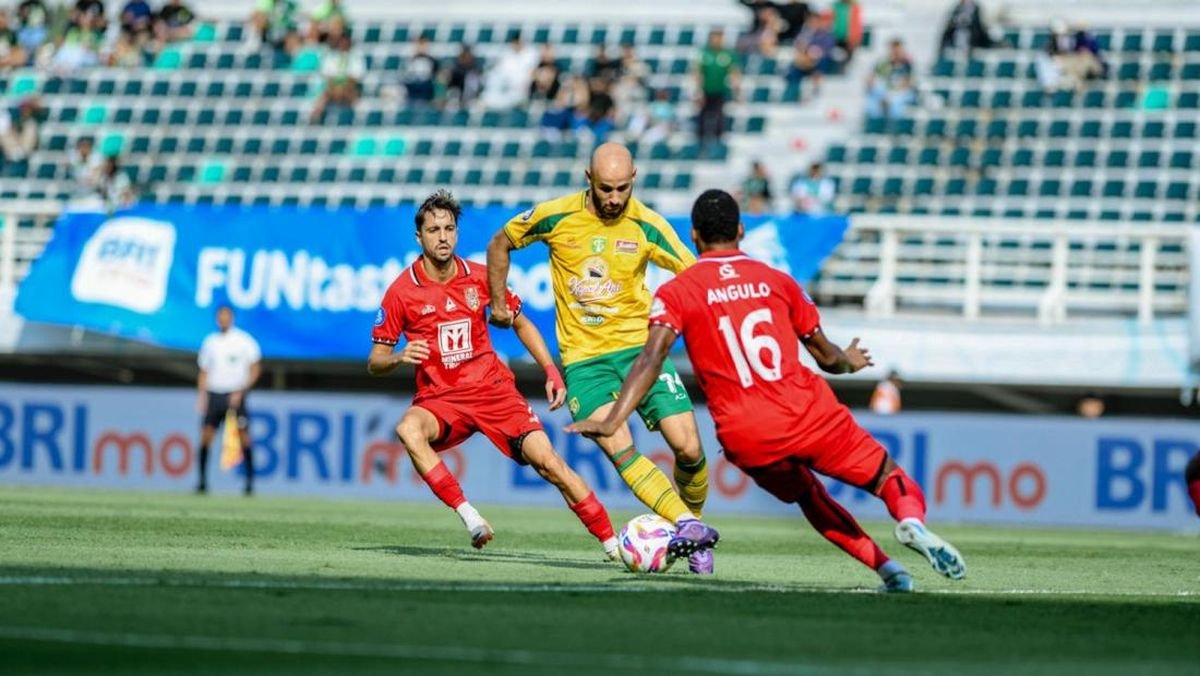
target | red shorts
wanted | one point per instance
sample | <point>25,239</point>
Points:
<point>499,411</point>
<point>827,439</point>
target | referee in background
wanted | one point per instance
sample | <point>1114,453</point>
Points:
<point>230,363</point>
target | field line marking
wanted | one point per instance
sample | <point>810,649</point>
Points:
<point>467,654</point>
<point>407,586</point>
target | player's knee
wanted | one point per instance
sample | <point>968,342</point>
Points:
<point>409,431</point>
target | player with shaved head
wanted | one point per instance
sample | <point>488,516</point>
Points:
<point>600,241</point>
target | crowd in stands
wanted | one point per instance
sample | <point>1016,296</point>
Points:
<point>810,194</point>
<point>820,41</point>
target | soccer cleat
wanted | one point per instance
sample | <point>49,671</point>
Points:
<point>942,555</point>
<point>701,562</point>
<point>481,535</point>
<point>692,535</point>
<point>899,582</point>
<point>611,551</point>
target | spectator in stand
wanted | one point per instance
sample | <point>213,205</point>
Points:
<point>794,15</point>
<point>463,78</point>
<point>12,54</point>
<point>1070,59</point>
<point>596,120</point>
<point>757,185</point>
<point>136,19</point>
<point>33,27</point>
<point>756,17</point>
<point>274,23</point>
<point>885,400</point>
<point>655,122</point>
<point>763,42</point>
<point>420,75</point>
<point>343,68</point>
<point>125,51</point>
<point>603,66</point>
<point>890,87</point>
<point>83,171</point>
<point>813,193</point>
<point>19,131</point>
<point>88,14</point>
<point>114,187</point>
<point>559,115</point>
<point>717,82</point>
<point>506,84</point>
<point>847,27</point>
<point>176,22</point>
<point>319,22</point>
<point>632,90</point>
<point>813,55</point>
<point>80,45</point>
<point>965,29</point>
<point>546,77</point>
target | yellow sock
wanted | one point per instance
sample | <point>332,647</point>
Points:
<point>692,481</point>
<point>649,484</point>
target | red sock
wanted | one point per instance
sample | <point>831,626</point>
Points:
<point>444,485</point>
<point>833,522</point>
<point>594,517</point>
<point>1194,491</point>
<point>903,496</point>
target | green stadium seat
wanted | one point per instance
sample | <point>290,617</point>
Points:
<point>1114,188</point>
<point>1002,99</point>
<point>562,178</point>
<point>1161,71</point>
<point>976,69</point>
<point>1085,158</point>
<point>966,128</point>
<point>1149,159</point>
<point>95,114</point>
<point>1126,99</point>
<point>532,178</point>
<point>893,186</point>
<point>874,126</point>
<point>861,186</point>
<point>1018,187</point>
<point>1117,159</point>
<point>1191,43</point>
<point>1094,98</point>
<point>473,177</point>
<point>1132,43</point>
<point>682,181</point>
<point>1177,190</point>
<point>653,181</point>
<point>960,157</point>
<point>1188,101</point>
<point>1130,71</point>
<point>1050,188</point>
<point>930,156</point>
<point>837,154</point>
<point>1181,159</point>
<point>1022,157</point>
<point>997,129</point>
<point>1006,69</point>
<point>923,187</point>
<point>194,146</point>
<point>1032,99</point>
<point>898,155</point>
<point>955,187</point>
<point>944,68</point>
<point>1090,129</point>
<point>1190,72</point>
<point>1121,129</point>
<point>1028,128</point>
<point>991,157</point>
<point>1059,129</point>
<point>1054,157</point>
<point>1146,190</point>
<point>867,155</point>
<point>1185,129</point>
<point>1063,98</point>
<point>1154,129</point>
<point>502,177</point>
<point>1082,188</point>
<point>986,187</point>
<point>936,127</point>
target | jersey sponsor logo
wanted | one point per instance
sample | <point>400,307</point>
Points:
<point>380,316</point>
<point>528,214</point>
<point>573,405</point>
<point>454,342</point>
<point>428,310</point>
<point>451,306</point>
<point>598,244</point>
<point>727,272</point>
<point>738,292</point>
<point>126,264</point>
<point>592,320</point>
<point>626,246</point>
<point>472,298</point>
<point>658,308</point>
<point>595,285</point>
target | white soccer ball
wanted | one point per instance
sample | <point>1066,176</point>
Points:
<point>643,544</point>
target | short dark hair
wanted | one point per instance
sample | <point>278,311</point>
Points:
<point>715,216</point>
<point>442,199</point>
<point>224,307</point>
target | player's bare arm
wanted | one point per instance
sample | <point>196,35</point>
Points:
<point>642,377</point>
<point>384,358</point>
<point>833,359</point>
<point>499,256</point>
<point>202,392</point>
<point>527,332</point>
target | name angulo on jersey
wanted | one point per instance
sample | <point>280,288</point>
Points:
<point>454,342</point>
<point>734,292</point>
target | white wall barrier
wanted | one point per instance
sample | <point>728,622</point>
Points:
<point>975,468</point>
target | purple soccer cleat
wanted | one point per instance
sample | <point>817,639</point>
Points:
<point>701,562</point>
<point>693,535</point>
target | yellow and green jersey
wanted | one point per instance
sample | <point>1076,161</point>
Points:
<point>599,270</point>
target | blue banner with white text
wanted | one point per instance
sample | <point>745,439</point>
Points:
<point>304,282</point>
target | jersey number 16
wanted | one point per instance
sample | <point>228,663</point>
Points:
<point>747,349</point>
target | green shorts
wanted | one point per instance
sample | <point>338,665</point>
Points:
<point>595,382</point>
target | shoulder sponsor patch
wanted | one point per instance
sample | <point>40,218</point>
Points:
<point>658,308</point>
<point>626,246</point>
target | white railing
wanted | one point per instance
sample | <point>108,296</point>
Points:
<point>1045,269</point>
<point>25,227</point>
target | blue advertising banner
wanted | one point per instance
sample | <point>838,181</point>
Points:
<point>304,282</point>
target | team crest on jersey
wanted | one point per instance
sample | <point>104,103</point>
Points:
<point>625,246</point>
<point>450,305</point>
<point>573,405</point>
<point>380,316</point>
<point>598,244</point>
<point>472,298</point>
<point>428,310</point>
<point>726,271</point>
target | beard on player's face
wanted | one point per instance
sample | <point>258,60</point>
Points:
<point>438,247</point>
<point>608,208</point>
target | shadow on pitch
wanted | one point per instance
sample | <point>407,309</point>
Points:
<point>487,556</point>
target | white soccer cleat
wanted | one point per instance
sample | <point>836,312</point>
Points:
<point>481,535</point>
<point>610,549</point>
<point>942,555</point>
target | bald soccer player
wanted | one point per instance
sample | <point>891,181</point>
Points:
<point>600,241</point>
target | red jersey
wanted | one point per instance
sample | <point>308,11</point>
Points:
<point>452,318</point>
<point>742,322</point>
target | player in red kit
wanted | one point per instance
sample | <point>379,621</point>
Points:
<point>439,305</point>
<point>743,323</point>
<point>1192,476</point>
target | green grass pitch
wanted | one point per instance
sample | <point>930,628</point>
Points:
<point>137,583</point>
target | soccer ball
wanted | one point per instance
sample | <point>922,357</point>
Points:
<point>643,544</point>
